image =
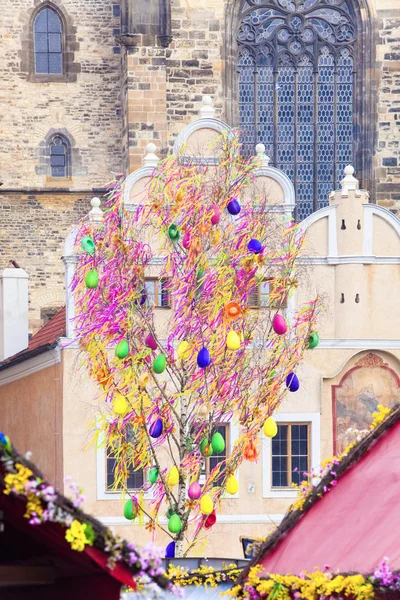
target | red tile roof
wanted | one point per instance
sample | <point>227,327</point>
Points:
<point>43,339</point>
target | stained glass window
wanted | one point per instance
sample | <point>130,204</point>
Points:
<point>296,80</point>
<point>59,157</point>
<point>48,42</point>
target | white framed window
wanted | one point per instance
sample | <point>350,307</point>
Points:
<point>294,450</point>
<point>105,464</point>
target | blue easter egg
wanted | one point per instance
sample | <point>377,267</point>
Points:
<point>203,358</point>
<point>156,429</point>
<point>170,550</point>
<point>254,246</point>
<point>292,382</point>
<point>233,207</point>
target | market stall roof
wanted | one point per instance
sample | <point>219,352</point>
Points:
<point>354,525</point>
<point>37,561</point>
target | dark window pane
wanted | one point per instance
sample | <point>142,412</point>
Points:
<point>57,161</point>
<point>55,63</point>
<point>57,149</point>
<point>41,42</point>
<point>53,20</point>
<point>58,171</point>
<point>41,21</point>
<point>42,63</point>
<point>150,286</point>
<point>135,480</point>
<point>54,42</point>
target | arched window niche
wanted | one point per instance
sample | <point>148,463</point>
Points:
<point>48,42</point>
<point>60,156</point>
<point>301,72</point>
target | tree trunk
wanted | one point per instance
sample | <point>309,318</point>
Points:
<point>179,549</point>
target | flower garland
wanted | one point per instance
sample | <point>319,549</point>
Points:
<point>203,576</point>
<point>318,585</point>
<point>44,504</point>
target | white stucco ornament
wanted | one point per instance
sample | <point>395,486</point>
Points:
<point>349,182</point>
<point>151,159</point>
<point>260,151</point>
<point>207,111</point>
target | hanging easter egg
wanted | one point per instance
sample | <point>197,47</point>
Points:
<point>270,428</point>
<point>292,382</point>
<point>170,550</point>
<point>250,452</point>
<point>143,297</point>
<point>313,340</point>
<point>130,510</point>
<point>232,485</point>
<point>216,215</point>
<point>122,349</point>
<point>153,475</point>
<point>254,246</point>
<point>199,277</point>
<point>156,429</point>
<point>159,364</point>
<point>206,448</point>
<point>143,380</point>
<point>173,233</point>
<point>87,244</point>
<point>5,441</point>
<point>233,310</point>
<point>151,342</point>
<point>203,358</point>
<point>204,410</point>
<point>211,520</point>
<point>173,476</point>
<point>217,443</point>
<point>233,340</point>
<point>279,324</point>
<point>92,279</point>
<point>272,374</point>
<point>183,350</point>
<point>233,207</point>
<point>174,524</point>
<point>194,491</point>
<point>120,405</point>
<point>186,241</point>
<point>206,505</point>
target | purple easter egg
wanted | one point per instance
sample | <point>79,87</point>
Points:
<point>156,428</point>
<point>292,382</point>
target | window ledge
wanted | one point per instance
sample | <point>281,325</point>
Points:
<point>59,182</point>
<point>48,78</point>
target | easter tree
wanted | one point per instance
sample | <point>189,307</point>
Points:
<point>223,351</point>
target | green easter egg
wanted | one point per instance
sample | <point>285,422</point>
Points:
<point>173,233</point>
<point>313,340</point>
<point>200,275</point>
<point>129,510</point>
<point>218,443</point>
<point>122,349</point>
<point>206,448</point>
<point>87,244</point>
<point>153,475</point>
<point>92,279</point>
<point>159,364</point>
<point>174,524</point>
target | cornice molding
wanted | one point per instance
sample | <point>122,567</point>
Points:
<point>30,366</point>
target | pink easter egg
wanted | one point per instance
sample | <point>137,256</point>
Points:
<point>186,241</point>
<point>194,491</point>
<point>216,216</point>
<point>279,325</point>
<point>151,342</point>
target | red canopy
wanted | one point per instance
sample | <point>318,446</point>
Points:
<point>37,562</point>
<point>354,525</point>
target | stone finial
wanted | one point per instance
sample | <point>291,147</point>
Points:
<point>349,182</point>
<point>264,159</point>
<point>96,214</point>
<point>207,111</point>
<point>151,159</point>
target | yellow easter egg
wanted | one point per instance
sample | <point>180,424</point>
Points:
<point>206,505</point>
<point>232,485</point>
<point>143,380</point>
<point>173,476</point>
<point>182,350</point>
<point>120,406</point>
<point>233,340</point>
<point>270,428</point>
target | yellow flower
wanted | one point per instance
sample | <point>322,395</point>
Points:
<point>16,482</point>
<point>33,505</point>
<point>75,535</point>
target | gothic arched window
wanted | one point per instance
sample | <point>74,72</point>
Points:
<point>48,42</point>
<point>60,157</point>
<point>296,82</point>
